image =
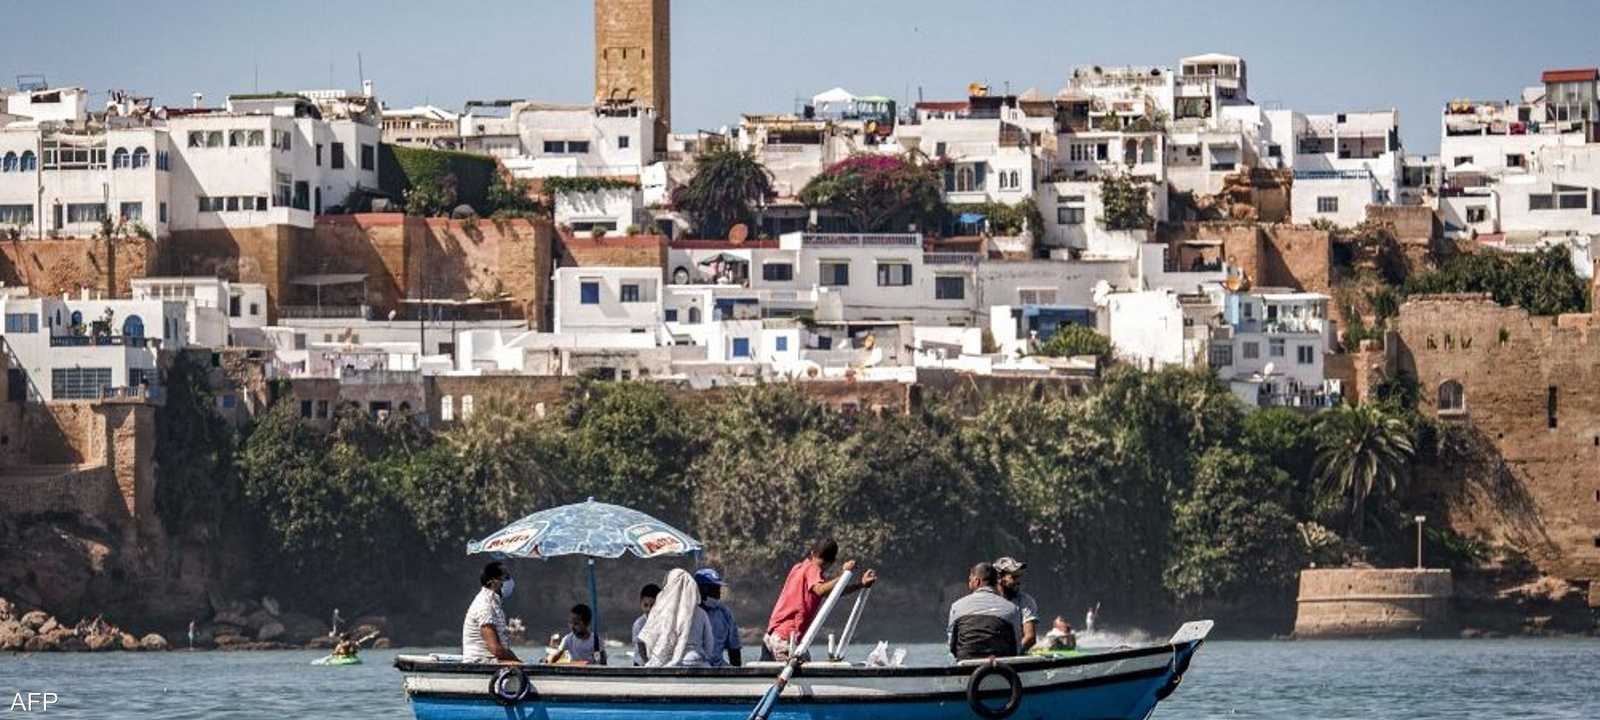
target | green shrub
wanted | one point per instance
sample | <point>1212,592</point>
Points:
<point>441,178</point>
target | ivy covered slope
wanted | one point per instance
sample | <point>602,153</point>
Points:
<point>1155,492</point>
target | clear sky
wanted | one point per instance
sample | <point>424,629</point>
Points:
<point>734,56</point>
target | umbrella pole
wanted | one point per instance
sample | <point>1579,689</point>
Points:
<point>594,605</point>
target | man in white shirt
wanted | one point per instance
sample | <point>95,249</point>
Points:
<point>484,636</point>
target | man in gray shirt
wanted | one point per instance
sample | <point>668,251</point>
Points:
<point>984,624</point>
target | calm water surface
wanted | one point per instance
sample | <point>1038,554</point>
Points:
<point>1300,680</point>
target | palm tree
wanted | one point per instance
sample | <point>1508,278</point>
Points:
<point>1362,450</point>
<point>728,187</point>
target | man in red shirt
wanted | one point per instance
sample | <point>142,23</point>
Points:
<point>801,598</point>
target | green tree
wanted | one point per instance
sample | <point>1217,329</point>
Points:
<point>628,443</point>
<point>1543,282</point>
<point>512,197</point>
<point>1074,340</point>
<point>1362,451</point>
<point>1126,203</point>
<point>1283,438</point>
<point>194,452</point>
<point>880,193</point>
<point>728,187</point>
<point>1234,537</point>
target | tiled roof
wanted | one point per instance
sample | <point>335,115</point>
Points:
<point>1573,75</point>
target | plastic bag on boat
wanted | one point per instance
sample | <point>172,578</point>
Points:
<point>879,657</point>
<point>899,658</point>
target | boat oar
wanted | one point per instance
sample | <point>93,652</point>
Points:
<point>770,700</point>
<point>848,635</point>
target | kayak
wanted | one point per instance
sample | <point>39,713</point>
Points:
<point>337,660</point>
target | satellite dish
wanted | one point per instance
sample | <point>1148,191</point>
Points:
<point>738,234</point>
<point>1267,370</point>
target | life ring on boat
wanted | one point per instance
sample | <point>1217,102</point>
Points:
<point>510,686</point>
<point>1013,681</point>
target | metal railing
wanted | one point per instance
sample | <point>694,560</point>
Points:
<point>306,312</point>
<point>104,341</point>
<point>950,258</point>
<point>155,394</point>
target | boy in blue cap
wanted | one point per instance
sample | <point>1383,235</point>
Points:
<point>723,627</point>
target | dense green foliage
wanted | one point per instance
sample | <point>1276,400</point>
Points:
<point>563,185</point>
<point>194,451</point>
<point>433,182</point>
<point>1234,534</point>
<point>512,197</point>
<point>1006,220</point>
<point>1154,491</point>
<point>1126,203</point>
<point>728,188</point>
<point>1543,282</point>
<point>880,193</point>
<point>1074,340</point>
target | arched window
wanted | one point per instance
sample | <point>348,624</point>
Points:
<point>447,408</point>
<point>466,406</point>
<point>119,159</point>
<point>133,326</point>
<point>9,163</point>
<point>77,318</point>
<point>680,276</point>
<point>141,158</point>
<point>964,179</point>
<point>1452,397</point>
<point>694,316</point>
<point>30,162</point>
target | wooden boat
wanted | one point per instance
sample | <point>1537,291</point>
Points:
<point>1124,683</point>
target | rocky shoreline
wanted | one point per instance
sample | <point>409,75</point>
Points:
<point>238,625</point>
<point>39,631</point>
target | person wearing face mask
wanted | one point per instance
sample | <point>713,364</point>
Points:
<point>484,636</point>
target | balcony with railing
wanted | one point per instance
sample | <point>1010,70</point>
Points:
<point>134,394</point>
<point>312,312</point>
<point>132,341</point>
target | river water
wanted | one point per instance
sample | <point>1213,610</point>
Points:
<point>1411,679</point>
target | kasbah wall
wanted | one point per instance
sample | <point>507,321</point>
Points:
<point>1532,391</point>
<point>1273,255</point>
<point>402,257</point>
<point>52,267</point>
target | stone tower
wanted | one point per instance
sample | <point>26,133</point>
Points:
<point>633,56</point>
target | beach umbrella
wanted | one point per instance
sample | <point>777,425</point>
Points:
<point>591,529</point>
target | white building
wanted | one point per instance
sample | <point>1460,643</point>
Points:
<point>265,159</point>
<point>218,313</point>
<point>422,126</point>
<point>85,349</point>
<point>608,300</point>
<point>1342,162</point>
<point>1274,349</point>
<point>1530,168</point>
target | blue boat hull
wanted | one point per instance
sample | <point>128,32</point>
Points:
<point>1124,700</point>
<point>1124,684</point>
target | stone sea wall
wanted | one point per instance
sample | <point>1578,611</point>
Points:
<point>1359,602</point>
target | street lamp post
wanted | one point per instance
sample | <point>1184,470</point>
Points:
<point>1420,520</point>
